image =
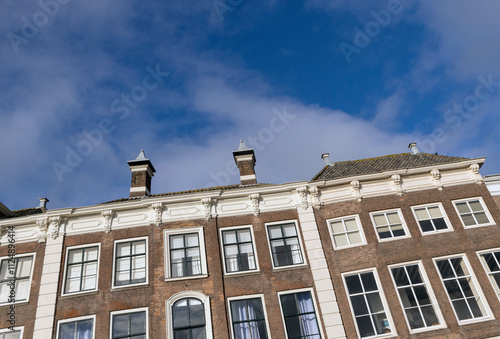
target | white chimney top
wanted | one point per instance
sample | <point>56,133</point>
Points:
<point>326,159</point>
<point>43,203</point>
<point>413,148</point>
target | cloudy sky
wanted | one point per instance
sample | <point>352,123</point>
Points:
<point>84,85</point>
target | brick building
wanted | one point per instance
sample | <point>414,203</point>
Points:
<point>404,245</point>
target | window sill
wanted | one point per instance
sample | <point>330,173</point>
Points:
<point>290,267</point>
<point>474,321</point>
<point>128,287</point>
<point>199,276</point>
<point>19,303</point>
<point>339,248</point>
<point>242,273</point>
<point>477,226</point>
<point>428,329</point>
<point>436,232</point>
<point>394,238</point>
<point>78,294</point>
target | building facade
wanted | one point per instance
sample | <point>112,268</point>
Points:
<point>405,245</point>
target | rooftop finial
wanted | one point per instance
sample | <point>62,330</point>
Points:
<point>413,148</point>
<point>326,159</point>
<point>243,147</point>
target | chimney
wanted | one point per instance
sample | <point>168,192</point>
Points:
<point>142,171</point>
<point>326,159</point>
<point>244,158</point>
<point>413,148</point>
<point>43,203</point>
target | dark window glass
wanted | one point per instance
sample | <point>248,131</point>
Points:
<point>300,317</point>
<point>129,325</point>
<point>238,250</point>
<point>188,319</point>
<point>130,262</point>
<point>76,330</point>
<point>285,245</point>
<point>185,255</point>
<point>248,319</point>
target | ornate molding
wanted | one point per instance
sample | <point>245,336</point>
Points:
<point>315,197</point>
<point>207,205</point>
<point>54,225</point>
<point>158,210</point>
<point>107,220</point>
<point>302,191</point>
<point>436,178</point>
<point>397,183</point>
<point>356,190</point>
<point>255,198</point>
<point>42,229</point>
<point>476,176</point>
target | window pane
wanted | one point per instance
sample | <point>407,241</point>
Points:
<point>275,232</point>
<point>351,224</point>
<point>482,218</point>
<point>440,224</point>
<point>380,219</point>
<point>244,236</point>
<point>463,207</point>
<point>355,238</point>
<point>229,237</point>
<point>289,230</point>
<point>475,205</point>
<point>120,325</point>
<point>75,256</point>
<point>340,240</point>
<point>24,267</point>
<point>338,227</point>
<point>192,240</point>
<point>123,249</point>
<point>393,218</point>
<point>468,220</point>
<point>138,323</point>
<point>426,225</point>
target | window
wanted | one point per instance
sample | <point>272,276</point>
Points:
<point>17,333</point>
<point>473,213</point>
<point>368,305</point>
<point>129,324</point>
<point>185,253</point>
<point>416,298</point>
<point>248,318</point>
<point>15,278</point>
<point>299,315</point>
<point>459,282</point>
<point>76,328</point>
<point>285,244</point>
<point>491,263</point>
<point>389,224</point>
<point>238,250</point>
<point>431,218</point>
<point>188,316</point>
<point>130,264</point>
<point>346,232</point>
<point>81,269</point>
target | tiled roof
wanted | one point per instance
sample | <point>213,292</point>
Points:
<point>25,212</point>
<point>229,187</point>
<point>381,164</point>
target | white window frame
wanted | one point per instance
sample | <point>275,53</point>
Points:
<point>387,310</point>
<point>301,245</point>
<point>403,224</point>
<point>487,270</point>
<point>233,228</point>
<point>244,297</point>
<point>489,314</point>
<point>443,212</point>
<point>201,240</point>
<point>132,310</point>
<point>188,294</point>
<point>66,258</point>
<point>6,330</point>
<point>430,292</point>
<point>82,318</point>
<point>486,211</point>
<point>360,229</point>
<point>113,287</point>
<point>315,304</point>
<point>17,256</point>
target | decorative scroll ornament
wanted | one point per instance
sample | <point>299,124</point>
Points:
<point>254,198</point>
<point>356,190</point>
<point>397,184</point>
<point>42,229</point>
<point>108,220</point>
<point>478,179</point>
<point>207,204</point>
<point>316,200</point>
<point>158,210</point>
<point>436,178</point>
<point>54,225</point>
<point>302,191</point>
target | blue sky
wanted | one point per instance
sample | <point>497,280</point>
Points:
<point>85,85</point>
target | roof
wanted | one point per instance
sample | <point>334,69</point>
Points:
<point>229,187</point>
<point>381,164</point>
<point>26,211</point>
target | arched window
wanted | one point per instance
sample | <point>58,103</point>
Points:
<point>188,316</point>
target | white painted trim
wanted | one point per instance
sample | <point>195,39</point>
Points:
<point>382,298</point>
<point>17,328</point>
<point>17,256</point>
<point>234,228</point>
<point>188,294</point>
<point>443,212</point>
<point>489,314</point>
<point>486,268</point>
<point>248,177</point>
<point>113,287</point>
<point>201,240</point>
<point>244,297</point>
<point>430,292</point>
<point>481,201</point>
<point>313,298</point>
<point>403,223</point>
<point>360,228</point>
<point>69,320</point>
<point>301,244</point>
<point>127,311</point>
<point>63,282</point>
